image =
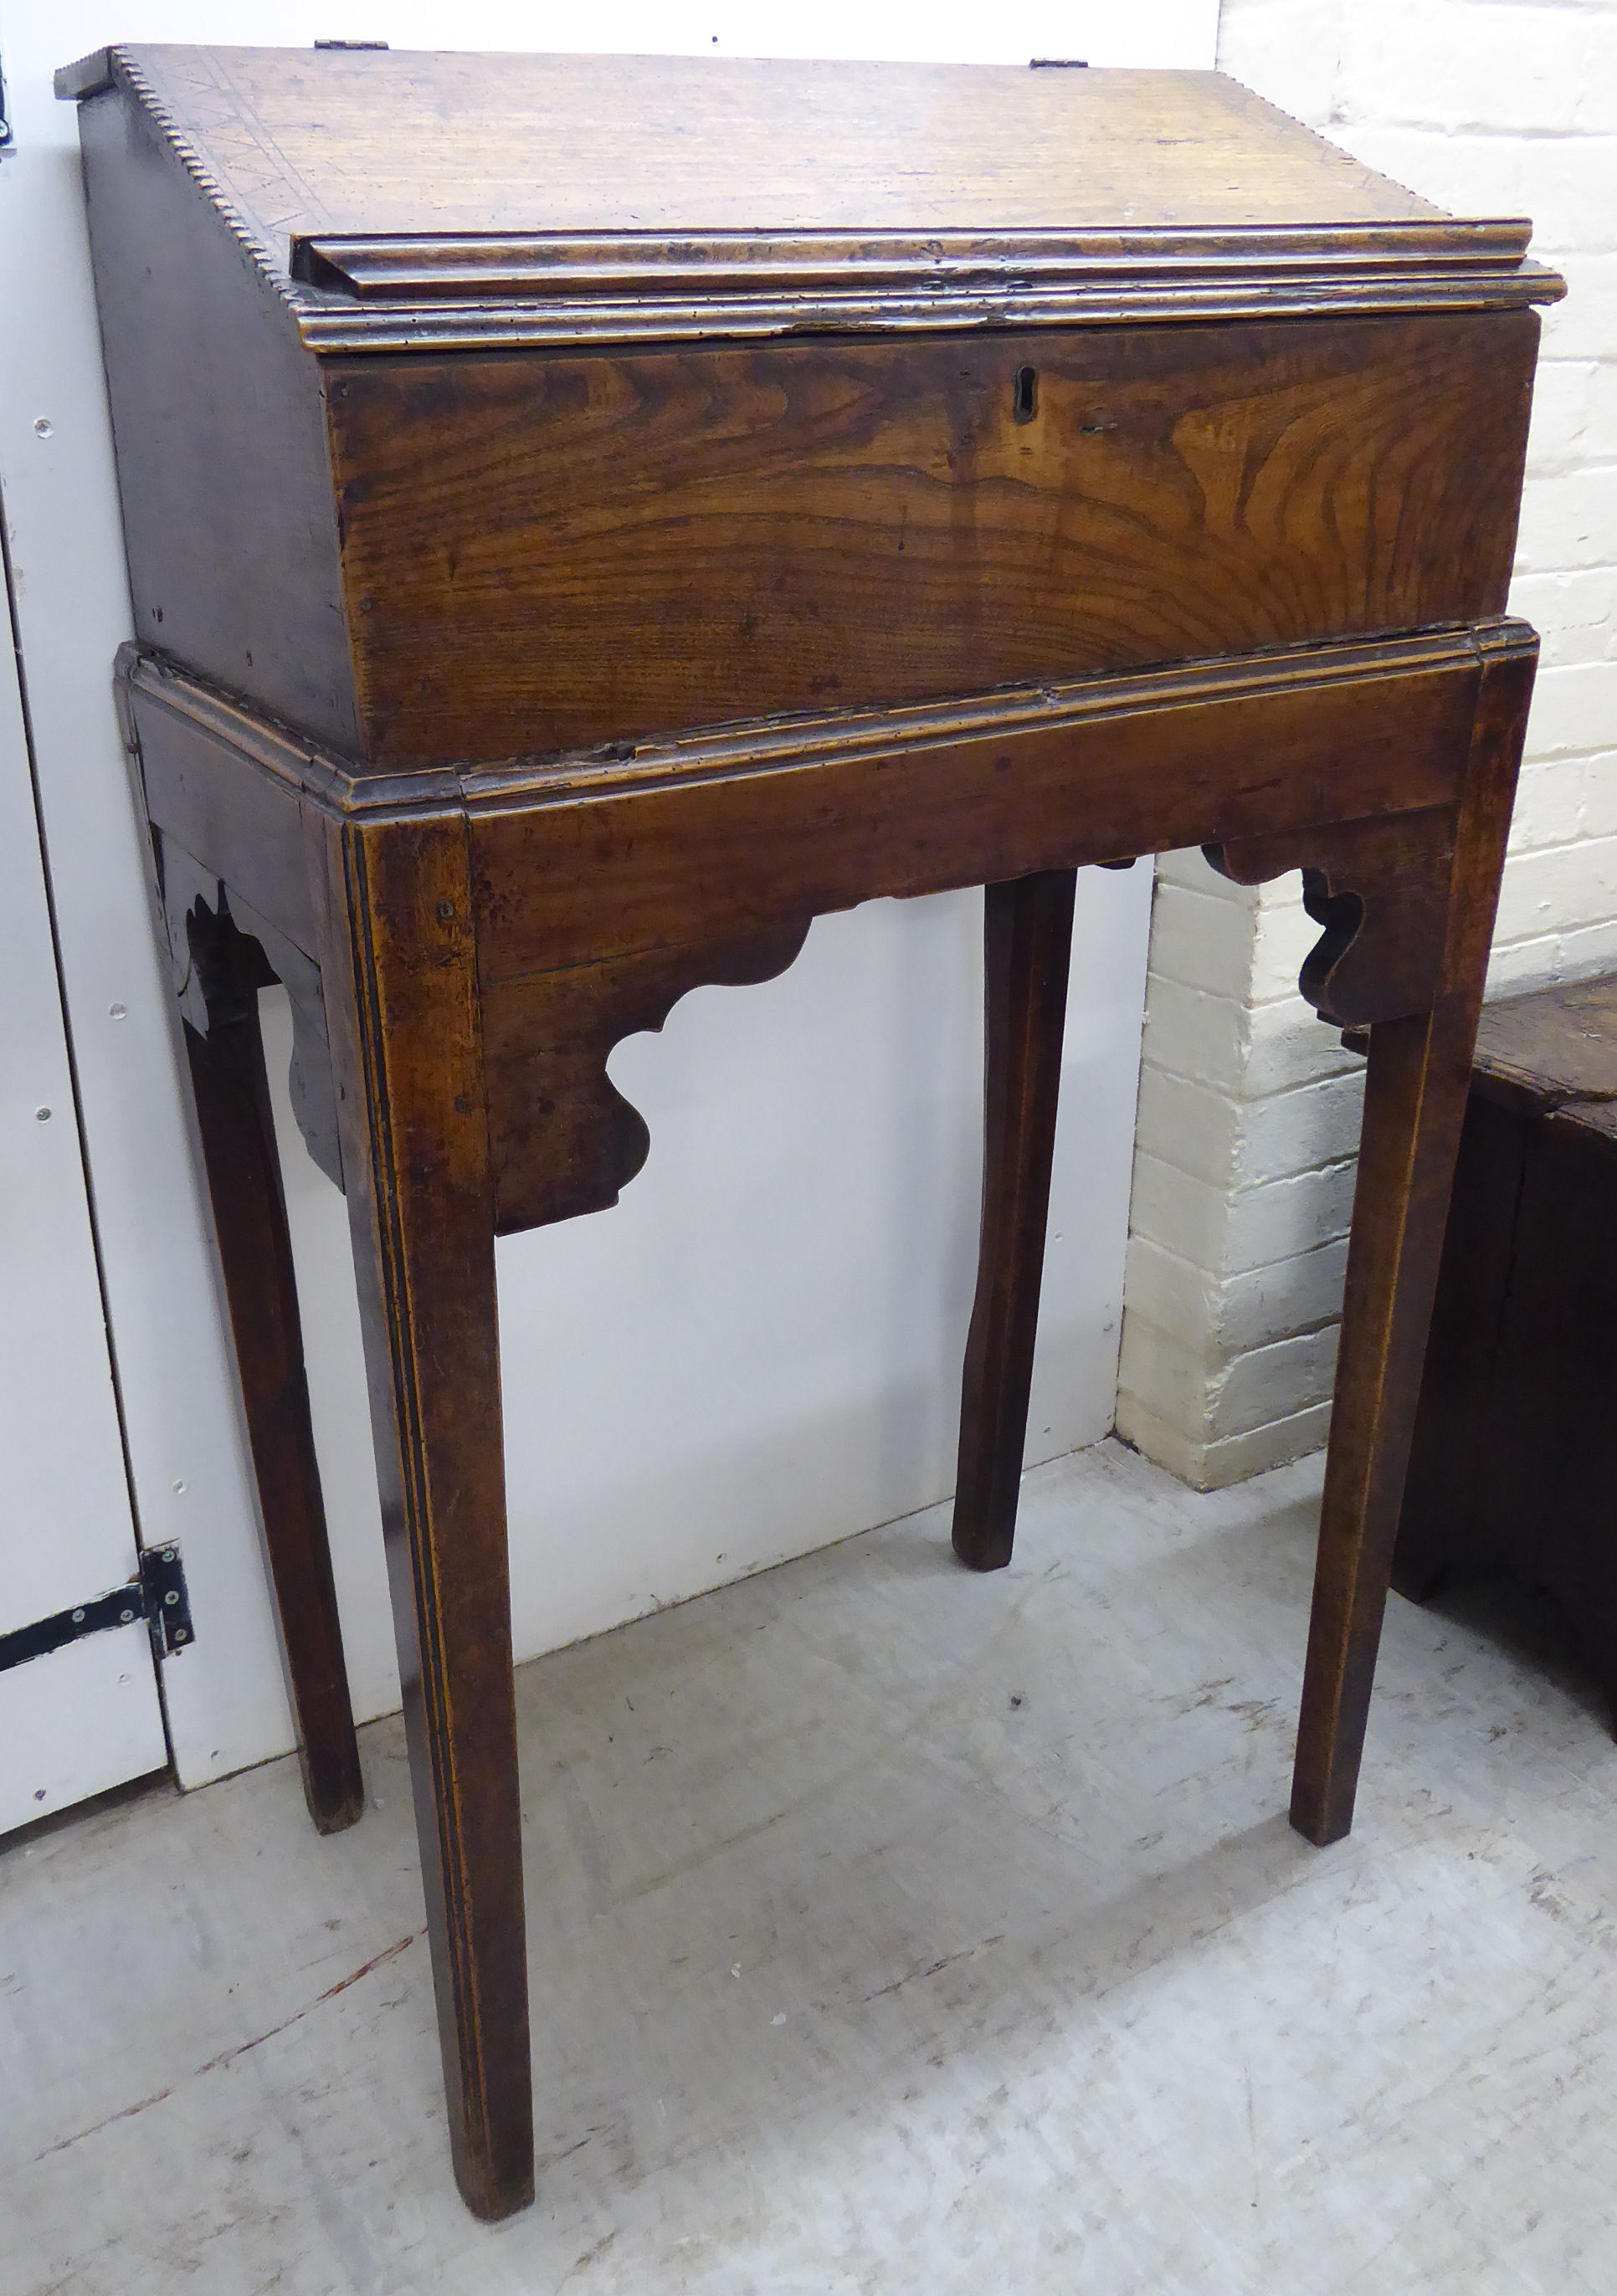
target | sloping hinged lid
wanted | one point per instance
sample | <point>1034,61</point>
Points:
<point>399,199</point>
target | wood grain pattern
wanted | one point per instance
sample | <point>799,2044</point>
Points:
<point>407,201</point>
<point>300,141</point>
<point>1451,1505</point>
<point>1546,1051</point>
<point>420,1205</point>
<point>593,921</point>
<point>727,267</point>
<point>1415,1102</point>
<point>871,480</point>
<point>1380,889</point>
<point>229,527</point>
<point>237,1129</point>
<point>669,882</point>
<point>555,908</point>
<point>554,290</point>
<point>867,808</point>
<point>924,548</point>
<point>542,554</point>
<point>563,1139</point>
<point>1027,951</point>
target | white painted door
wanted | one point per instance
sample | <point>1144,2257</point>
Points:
<point>85,1716</point>
<point>757,1351</point>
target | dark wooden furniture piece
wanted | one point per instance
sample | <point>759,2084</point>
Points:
<point>1514,1465</point>
<point>587,518</point>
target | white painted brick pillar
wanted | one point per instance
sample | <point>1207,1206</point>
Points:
<point>1248,1108</point>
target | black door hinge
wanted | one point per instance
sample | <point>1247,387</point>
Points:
<point>158,1596</point>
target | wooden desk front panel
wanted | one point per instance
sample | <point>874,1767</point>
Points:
<point>603,891</point>
<point>541,552</point>
<point>600,903</point>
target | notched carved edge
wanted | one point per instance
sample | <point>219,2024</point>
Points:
<point>1379,889</point>
<point>563,1138</point>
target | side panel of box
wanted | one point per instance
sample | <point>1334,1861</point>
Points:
<point>219,427</point>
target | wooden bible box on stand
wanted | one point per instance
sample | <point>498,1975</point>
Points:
<point>587,518</point>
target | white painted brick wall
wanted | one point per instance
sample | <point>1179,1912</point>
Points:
<point>1249,1108</point>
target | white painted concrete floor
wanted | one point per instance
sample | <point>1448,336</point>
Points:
<point>891,1929</point>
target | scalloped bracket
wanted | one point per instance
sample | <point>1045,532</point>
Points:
<point>1379,889</point>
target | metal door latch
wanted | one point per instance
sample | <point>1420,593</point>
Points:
<point>159,1596</point>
